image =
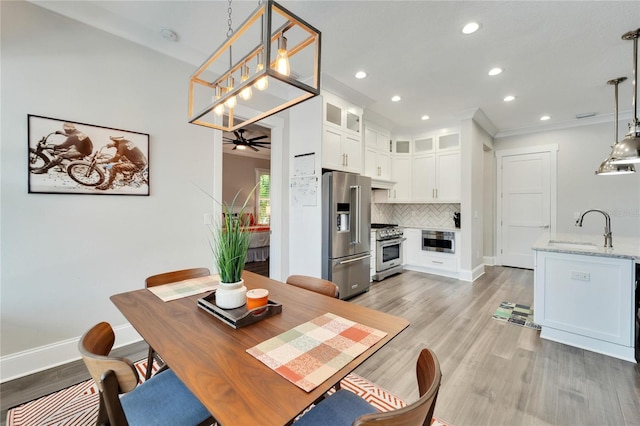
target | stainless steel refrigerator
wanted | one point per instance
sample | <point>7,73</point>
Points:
<point>346,229</point>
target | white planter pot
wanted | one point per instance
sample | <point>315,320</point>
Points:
<point>231,295</point>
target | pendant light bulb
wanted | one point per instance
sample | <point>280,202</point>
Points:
<point>282,61</point>
<point>232,101</point>
<point>219,109</point>
<point>246,93</point>
<point>263,82</point>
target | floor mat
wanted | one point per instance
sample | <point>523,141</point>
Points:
<point>517,314</point>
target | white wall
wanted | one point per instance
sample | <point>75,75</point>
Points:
<point>64,255</point>
<point>472,139</point>
<point>489,207</point>
<point>305,240</point>
<point>581,150</point>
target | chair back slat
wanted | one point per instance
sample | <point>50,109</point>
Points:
<point>420,412</point>
<point>175,276</point>
<point>317,285</point>
<point>94,347</point>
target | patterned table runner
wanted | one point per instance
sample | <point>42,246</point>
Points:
<point>310,353</point>
<point>185,288</point>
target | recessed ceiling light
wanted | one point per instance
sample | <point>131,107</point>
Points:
<point>361,74</point>
<point>470,28</point>
<point>495,71</point>
<point>509,98</point>
<point>425,117</point>
<point>396,98</point>
<point>168,34</point>
<point>545,117</point>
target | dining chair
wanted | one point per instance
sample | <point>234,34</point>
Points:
<point>166,278</point>
<point>346,408</point>
<point>163,399</point>
<point>314,284</point>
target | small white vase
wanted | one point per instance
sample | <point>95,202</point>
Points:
<point>231,295</point>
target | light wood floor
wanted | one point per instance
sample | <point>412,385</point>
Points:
<point>493,373</point>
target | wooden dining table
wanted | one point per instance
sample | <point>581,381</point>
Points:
<point>210,357</point>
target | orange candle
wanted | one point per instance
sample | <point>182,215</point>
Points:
<point>256,298</point>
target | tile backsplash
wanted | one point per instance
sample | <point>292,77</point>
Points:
<point>415,215</point>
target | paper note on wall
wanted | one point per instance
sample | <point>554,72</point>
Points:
<point>304,164</point>
<point>304,191</point>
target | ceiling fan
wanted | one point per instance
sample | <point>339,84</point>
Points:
<point>241,142</point>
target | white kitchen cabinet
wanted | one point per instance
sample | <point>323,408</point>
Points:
<point>436,169</point>
<point>416,259</point>
<point>377,138</point>
<point>585,301</point>
<point>401,174</point>
<point>372,265</point>
<point>377,165</point>
<point>342,135</point>
<point>377,156</point>
<point>401,146</point>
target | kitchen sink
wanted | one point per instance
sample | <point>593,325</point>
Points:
<point>573,245</point>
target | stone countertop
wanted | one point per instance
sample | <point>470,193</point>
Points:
<point>430,228</point>
<point>590,245</point>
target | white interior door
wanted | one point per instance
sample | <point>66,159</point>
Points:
<point>527,204</point>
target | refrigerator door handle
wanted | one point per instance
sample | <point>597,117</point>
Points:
<point>356,190</point>
<point>344,262</point>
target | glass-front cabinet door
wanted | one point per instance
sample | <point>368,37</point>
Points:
<point>333,114</point>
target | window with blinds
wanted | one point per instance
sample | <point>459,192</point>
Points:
<point>263,206</point>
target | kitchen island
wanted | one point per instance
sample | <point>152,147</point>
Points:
<point>584,293</point>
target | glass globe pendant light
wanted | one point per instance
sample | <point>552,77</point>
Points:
<point>627,151</point>
<point>607,168</point>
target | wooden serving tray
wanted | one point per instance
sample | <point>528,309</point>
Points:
<point>238,317</point>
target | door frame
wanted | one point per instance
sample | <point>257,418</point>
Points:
<point>552,149</point>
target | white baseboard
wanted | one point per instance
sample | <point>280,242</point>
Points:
<point>472,275</point>
<point>22,364</point>
<point>489,260</point>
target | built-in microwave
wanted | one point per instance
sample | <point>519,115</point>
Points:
<point>442,241</point>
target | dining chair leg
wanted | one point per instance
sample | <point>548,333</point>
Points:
<point>150,358</point>
<point>103,416</point>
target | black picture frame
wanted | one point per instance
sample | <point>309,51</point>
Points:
<point>88,158</point>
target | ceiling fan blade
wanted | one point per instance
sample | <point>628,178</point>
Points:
<point>257,138</point>
<point>261,145</point>
<point>233,149</point>
<point>238,135</point>
<point>255,149</point>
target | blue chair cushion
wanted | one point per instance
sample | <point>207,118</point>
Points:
<point>341,408</point>
<point>163,400</point>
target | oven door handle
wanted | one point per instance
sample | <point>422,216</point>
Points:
<point>344,262</point>
<point>385,243</point>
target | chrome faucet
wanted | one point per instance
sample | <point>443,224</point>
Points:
<point>608,242</point>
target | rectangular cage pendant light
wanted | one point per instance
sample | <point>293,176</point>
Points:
<point>269,64</point>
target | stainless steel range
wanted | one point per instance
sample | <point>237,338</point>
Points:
<point>388,250</point>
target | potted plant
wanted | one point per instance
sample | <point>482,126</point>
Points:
<point>230,244</point>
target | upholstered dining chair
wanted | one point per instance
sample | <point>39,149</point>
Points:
<point>348,409</point>
<point>166,278</point>
<point>314,284</point>
<point>163,399</point>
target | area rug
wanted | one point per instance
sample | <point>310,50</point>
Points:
<point>78,405</point>
<point>514,313</point>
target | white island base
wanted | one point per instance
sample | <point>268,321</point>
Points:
<point>585,297</point>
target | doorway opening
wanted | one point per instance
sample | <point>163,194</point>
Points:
<point>246,163</point>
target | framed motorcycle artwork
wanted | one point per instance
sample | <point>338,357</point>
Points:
<point>67,157</point>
